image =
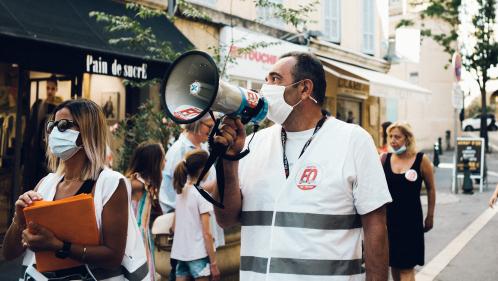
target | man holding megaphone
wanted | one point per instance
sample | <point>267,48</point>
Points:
<point>308,188</point>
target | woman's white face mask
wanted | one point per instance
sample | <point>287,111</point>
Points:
<point>63,144</point>
<point>278,109</point>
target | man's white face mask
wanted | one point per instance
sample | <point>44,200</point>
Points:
<point>278,109</point>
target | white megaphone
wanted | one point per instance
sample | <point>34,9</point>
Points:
<point>192,87</point>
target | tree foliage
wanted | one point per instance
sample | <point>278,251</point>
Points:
<point>132,34</point>
<point>475,39</point>
<point>446,11</point>
<point>298,18</point>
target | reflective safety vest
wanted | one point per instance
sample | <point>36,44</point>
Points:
<point>305,227</point>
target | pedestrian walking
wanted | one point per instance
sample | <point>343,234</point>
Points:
<point>144,173</point>
<point>384,147</point>
<point>492,200</point>
<point>310,189</point>
<point>193,245</point>
<point>405,171</point>
<point>77,139</point>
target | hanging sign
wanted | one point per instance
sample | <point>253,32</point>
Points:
<point>115,67</point>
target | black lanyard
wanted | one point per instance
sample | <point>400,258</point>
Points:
<point>283,135</point>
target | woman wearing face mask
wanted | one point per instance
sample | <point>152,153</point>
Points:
<point>405,170</point>
<point>77,137</point>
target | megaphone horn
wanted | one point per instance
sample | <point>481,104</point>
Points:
<point>192,87</point>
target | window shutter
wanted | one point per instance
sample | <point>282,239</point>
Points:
<point>368,34</point>
<point>332,20</point>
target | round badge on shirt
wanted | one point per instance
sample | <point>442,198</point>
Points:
<point>411,175</point>
<point>308,177</point>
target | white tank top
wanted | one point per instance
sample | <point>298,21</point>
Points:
<point>134,265</point>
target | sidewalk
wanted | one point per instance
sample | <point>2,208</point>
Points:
<point>453,214</point>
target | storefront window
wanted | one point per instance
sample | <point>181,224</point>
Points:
<point>349,110</point>
<point>9,77</point>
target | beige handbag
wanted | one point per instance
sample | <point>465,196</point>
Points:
<point>163,240</point>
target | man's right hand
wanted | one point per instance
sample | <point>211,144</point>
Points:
<point>232,134</point>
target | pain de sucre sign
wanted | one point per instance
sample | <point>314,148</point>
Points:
<point>115,67</point>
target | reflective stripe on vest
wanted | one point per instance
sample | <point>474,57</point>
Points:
<point>301,220</point>
<point>302,266</point>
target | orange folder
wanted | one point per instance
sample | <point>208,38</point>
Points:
<point>71,219</point>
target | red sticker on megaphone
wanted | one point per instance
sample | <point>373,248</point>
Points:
<point>186,112</point>
<point>252,98</point>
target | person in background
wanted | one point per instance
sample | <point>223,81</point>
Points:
<point>77,138</point>
<point>34,158</point>
<point>193,245</point>
<point>195,136</point>
<point>405,169</point>
<point>492,200</point>
<point>144,173</point>
<point>384,147</point>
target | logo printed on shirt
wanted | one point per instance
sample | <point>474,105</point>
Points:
<point>308,177</point>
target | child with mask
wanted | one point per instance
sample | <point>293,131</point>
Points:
<point>77,139</point>
<point>405,170</point>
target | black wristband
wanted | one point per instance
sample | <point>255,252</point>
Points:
<point>65,251</point>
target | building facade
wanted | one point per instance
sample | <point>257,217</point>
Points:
<point>422,62</point>
<point>350,47</point>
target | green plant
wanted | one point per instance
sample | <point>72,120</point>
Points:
<point>147,124</point>
<point>130,33</point>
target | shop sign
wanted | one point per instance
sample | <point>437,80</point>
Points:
<point>115,67</point>
<point>255,64</point>
<point>346,86</point>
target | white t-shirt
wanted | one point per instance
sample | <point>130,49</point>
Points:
<point>295,143</point>
<point>308,226</point>
<point>188,243</point>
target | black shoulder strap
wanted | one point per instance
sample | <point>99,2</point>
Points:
<point>86,187</point>
<point>418,160</point>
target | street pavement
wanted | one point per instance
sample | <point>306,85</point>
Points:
<point>455,214</point>
<point>457,217</point>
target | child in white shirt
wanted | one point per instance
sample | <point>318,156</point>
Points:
<point>193,245</point>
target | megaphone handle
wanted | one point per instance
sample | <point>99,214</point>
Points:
<point>217,150</point>
<point>236,157</point>
<point>246,151</point>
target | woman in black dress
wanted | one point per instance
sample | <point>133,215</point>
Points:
<point>405,170</point>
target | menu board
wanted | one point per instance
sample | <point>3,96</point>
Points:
<point>470,149</point>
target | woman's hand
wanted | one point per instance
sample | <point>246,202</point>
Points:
<point>428,224</point>
<point>215,272</point>
<point>38,238</point>
<point>24,201</point>
<point>492,200</point>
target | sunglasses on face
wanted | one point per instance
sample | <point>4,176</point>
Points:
<point>62,125</point>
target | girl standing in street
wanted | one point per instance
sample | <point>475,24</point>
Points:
<point>405,170</point>
<point>193,244</point>
<point>144,173</point>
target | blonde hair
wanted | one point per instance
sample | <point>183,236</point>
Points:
<point>407,131</point>
<point>91,122</point>
<point>191,167</point>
